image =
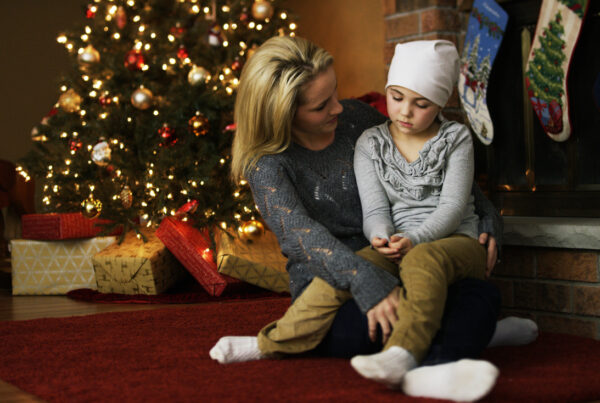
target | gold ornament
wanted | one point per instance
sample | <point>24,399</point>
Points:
<point>88,56</point>
<point>198,75</point>
<point>199,124</point>
<point>251,230</point>
<point>70,101</point>
<point>126,197</point>
<point>261,10</point>
<point>91,207</point>
<point>142,98</point>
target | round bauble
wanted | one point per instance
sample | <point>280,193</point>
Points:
<point>198,75</point>
<point>142,98</point>
<point>251,230</point>
<point>88,56</point>
<point>262,9</point>
<point>101,153</point>
<point>91,207</point>
<point>70,101</point>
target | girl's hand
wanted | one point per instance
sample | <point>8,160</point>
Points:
<point>384,314</point>
<point>402,244</point>
<point>382,246</point>
<point>492,251</point>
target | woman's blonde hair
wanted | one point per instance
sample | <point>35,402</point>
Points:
<point>268,95</point>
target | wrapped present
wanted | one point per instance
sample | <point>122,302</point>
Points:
<point>54,267</point>
<point>57,226</point>
<point>259,262</point>
<point>136,267</point>
<point>192,248</point>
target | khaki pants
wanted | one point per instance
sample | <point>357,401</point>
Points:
<point>426,272</point>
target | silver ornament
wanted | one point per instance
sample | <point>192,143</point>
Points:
<point>88,56</point>
<point>101,153</point>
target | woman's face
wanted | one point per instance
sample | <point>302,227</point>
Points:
<point>316,115</point>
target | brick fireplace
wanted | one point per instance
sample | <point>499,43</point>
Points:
<point>550,267</point>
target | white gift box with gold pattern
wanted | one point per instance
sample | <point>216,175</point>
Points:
<point>54,267</point>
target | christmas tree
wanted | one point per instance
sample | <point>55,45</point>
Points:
<point>545,76</point>
<point>143,124</point>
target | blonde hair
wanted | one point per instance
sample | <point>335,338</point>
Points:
<point>267,98</point>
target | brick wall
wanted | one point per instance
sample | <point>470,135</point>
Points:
<point>559,288</point>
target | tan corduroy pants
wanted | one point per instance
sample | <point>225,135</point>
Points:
<point>426,272</point>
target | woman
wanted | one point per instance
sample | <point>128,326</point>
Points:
<point>294,144</point>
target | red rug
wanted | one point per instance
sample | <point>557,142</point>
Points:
<point>162,355</point>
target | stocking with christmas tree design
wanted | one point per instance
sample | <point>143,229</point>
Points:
<point>555,37</point>
<point>484,35</point>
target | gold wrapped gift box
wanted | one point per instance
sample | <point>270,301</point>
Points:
<point>54,267</point>
<point>137,267</point>
<point>259,262</point>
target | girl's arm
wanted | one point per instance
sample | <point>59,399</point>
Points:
<point>308,245</point>
<point>377,220</point>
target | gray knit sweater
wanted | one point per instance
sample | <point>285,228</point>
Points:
<point>310,200</point>
<point>424,200</point>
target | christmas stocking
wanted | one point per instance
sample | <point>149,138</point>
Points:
<point>484,35</point>
<point>556,33</point>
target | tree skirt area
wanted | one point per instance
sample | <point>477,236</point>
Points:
<point>162,355</point>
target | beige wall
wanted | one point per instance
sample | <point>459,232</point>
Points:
<point>353,32</point>
<point>31,63</point>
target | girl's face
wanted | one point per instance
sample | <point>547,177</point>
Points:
<point>410,112</point>
<point>318,109</point>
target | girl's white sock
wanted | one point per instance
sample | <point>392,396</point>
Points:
<point>236,349</point>
<point>464,380</point>
<point>388,366</point>
<point>514,331</point>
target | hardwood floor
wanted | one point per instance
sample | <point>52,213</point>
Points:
<point>25,307</point>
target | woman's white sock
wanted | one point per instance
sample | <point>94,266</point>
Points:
<point>464,380</point>
<point>514,331</point>
<point>388,366</point>
<point>231,349</point>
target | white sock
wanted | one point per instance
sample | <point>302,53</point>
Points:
<point>464,380</point>
<point>387,367</point>
<point>514,331</point>
<point>236,349</point>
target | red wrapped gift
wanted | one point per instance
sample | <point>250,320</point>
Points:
<point>192,248</point>
<point>56,226</point>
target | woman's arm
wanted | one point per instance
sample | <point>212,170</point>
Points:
<point>308,245</point>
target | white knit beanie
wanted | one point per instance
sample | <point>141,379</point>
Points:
<point>429,68</point>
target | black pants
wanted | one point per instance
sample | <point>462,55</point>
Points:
<point>469,321</point>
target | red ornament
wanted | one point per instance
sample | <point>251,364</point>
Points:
<point>75,145</point>
<point>134,60</point>
<point>90,12</point>
<point>236,65</point>
<point>188,208</point>
<point>105,100</point>
<point>182,53</point>
<point>230,127</point>
<point>168,135</point>
<point>177,31</point>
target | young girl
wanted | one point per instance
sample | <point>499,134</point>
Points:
<point>414,175</point>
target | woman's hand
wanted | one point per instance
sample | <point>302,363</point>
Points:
<point>384,313</point>
<point>492,251</point>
